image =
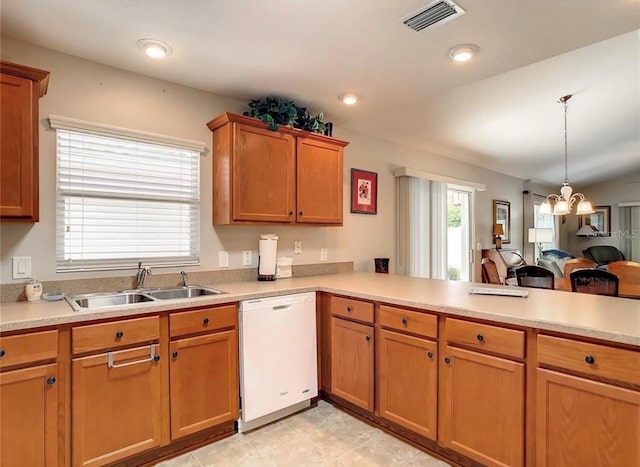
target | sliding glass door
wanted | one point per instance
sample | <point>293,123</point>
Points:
<point>459,241</point>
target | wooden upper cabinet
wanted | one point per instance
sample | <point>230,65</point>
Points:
<point>278,177</point>
<point>20,89</point>
<point>319,175</point>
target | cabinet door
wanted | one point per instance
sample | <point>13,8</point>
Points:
<point>407,381</point>
<point>482,411</point>
<point>204,382</point>
<point>582,422</point>
<point>320,182</point>
<point>116,411</point>
<point>352,362</point>
<point>263,175</point>
<point>18,163</point>
<point>29,420</point>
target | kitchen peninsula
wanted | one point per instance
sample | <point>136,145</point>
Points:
<point>421,358</point>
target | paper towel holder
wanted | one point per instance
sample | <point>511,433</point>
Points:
<point>267,253</point>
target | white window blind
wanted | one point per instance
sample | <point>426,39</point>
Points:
<point>120,201</point>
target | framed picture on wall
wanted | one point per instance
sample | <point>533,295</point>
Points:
<point>502,215</point>
<point>364,192</point>
<point>600,221</point>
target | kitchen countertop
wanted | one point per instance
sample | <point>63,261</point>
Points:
<point>611,319</point>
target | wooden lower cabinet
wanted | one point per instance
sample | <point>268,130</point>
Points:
<point>29,420</point>
<point>582,422</point>
<point>352,362</point>
<point>116,412</point>
<point>407,372</point>
<point>482,407</point>
<point>204,382</point>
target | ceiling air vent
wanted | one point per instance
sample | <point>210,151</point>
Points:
<point>433,14</point>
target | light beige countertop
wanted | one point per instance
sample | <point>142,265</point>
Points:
<point>611,319</point>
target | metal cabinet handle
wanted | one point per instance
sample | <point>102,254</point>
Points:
<point>480,338</point>
<point>119,334</point>
<point>153,357</point>
<point>301,213</point>
<point>291,213</point>
<point>2,353</point>
<point>405,322</point>
<point>447,360</point>
<point>367,338</point>
<point>430,354</point>
<point>590,359</point>
<point>174,355</point>
<point>349,309</point>
<point>51,380</point>
<point>205,321</point>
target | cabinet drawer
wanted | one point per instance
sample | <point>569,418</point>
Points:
<point>414,322</point>
<point>486,337</point>
<point>27,348</point>
<point>351,308</point>
<point>592,359</point>
<point>115,334</point>
<point>192,322</point>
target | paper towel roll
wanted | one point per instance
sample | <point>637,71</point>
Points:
<point>268,250</point>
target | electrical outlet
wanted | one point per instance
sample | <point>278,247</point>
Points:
<point>21,267</point>
<point>246,258</point>
<point>297,247</point>
<point>323,254</point>
<point>223,259</point>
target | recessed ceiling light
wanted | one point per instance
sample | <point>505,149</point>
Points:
<point>348,98</point>
<point>154,48</point>
<point>463,53</point>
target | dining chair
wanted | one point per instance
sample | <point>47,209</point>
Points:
<point>627,271</point>
<point>535,276</point>
<point>490,272</point>
<point>578,263</point>
<point>594,281</point>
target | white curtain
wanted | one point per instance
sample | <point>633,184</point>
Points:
<point>630,232</point>
<point>413,213</point>
<point>439,230</point>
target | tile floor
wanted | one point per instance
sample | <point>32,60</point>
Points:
<point>320,437</point>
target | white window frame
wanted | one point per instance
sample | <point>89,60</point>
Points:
<point>183,249</point>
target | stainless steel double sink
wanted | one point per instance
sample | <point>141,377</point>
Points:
<point>131,297</point>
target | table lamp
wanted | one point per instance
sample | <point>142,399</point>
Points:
<point>498,231</point>
<point>538,236</point>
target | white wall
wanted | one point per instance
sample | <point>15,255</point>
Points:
<point>91,91</point>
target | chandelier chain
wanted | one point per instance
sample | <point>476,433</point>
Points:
<point>566,164</point>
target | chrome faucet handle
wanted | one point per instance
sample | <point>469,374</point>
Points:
<point>184,278</point>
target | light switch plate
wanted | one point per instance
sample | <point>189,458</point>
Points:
<point>223,259</point>
<point>323,254</point>
<point>297,247</point>
<point>246,258</point>
<point>21,267</point>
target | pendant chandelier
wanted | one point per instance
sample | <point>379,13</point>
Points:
<point>562,204</point>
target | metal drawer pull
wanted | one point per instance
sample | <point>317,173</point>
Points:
<point>405,322</point>
<point>480,338</point>
<point>590,359</point>
<point>2,353</point>
<point>153,357</point>
<point>349,309</point>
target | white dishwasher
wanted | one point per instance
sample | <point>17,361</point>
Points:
<point>278,359</point>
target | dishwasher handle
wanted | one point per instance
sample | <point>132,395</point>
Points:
<point>281,308</point>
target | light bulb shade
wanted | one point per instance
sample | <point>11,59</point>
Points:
<point>498,230</point>
<point>584,207</point>
<point>586,231</point>
<point>541,235</point>
<point>561,208</point>
<point>545,207</point>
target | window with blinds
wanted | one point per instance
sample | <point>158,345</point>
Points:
<point>120,201</point>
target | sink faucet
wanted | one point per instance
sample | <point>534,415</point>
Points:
<point>184,278</point>
<point>141,275</point>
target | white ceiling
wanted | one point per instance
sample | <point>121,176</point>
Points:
<point>498,111</point>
